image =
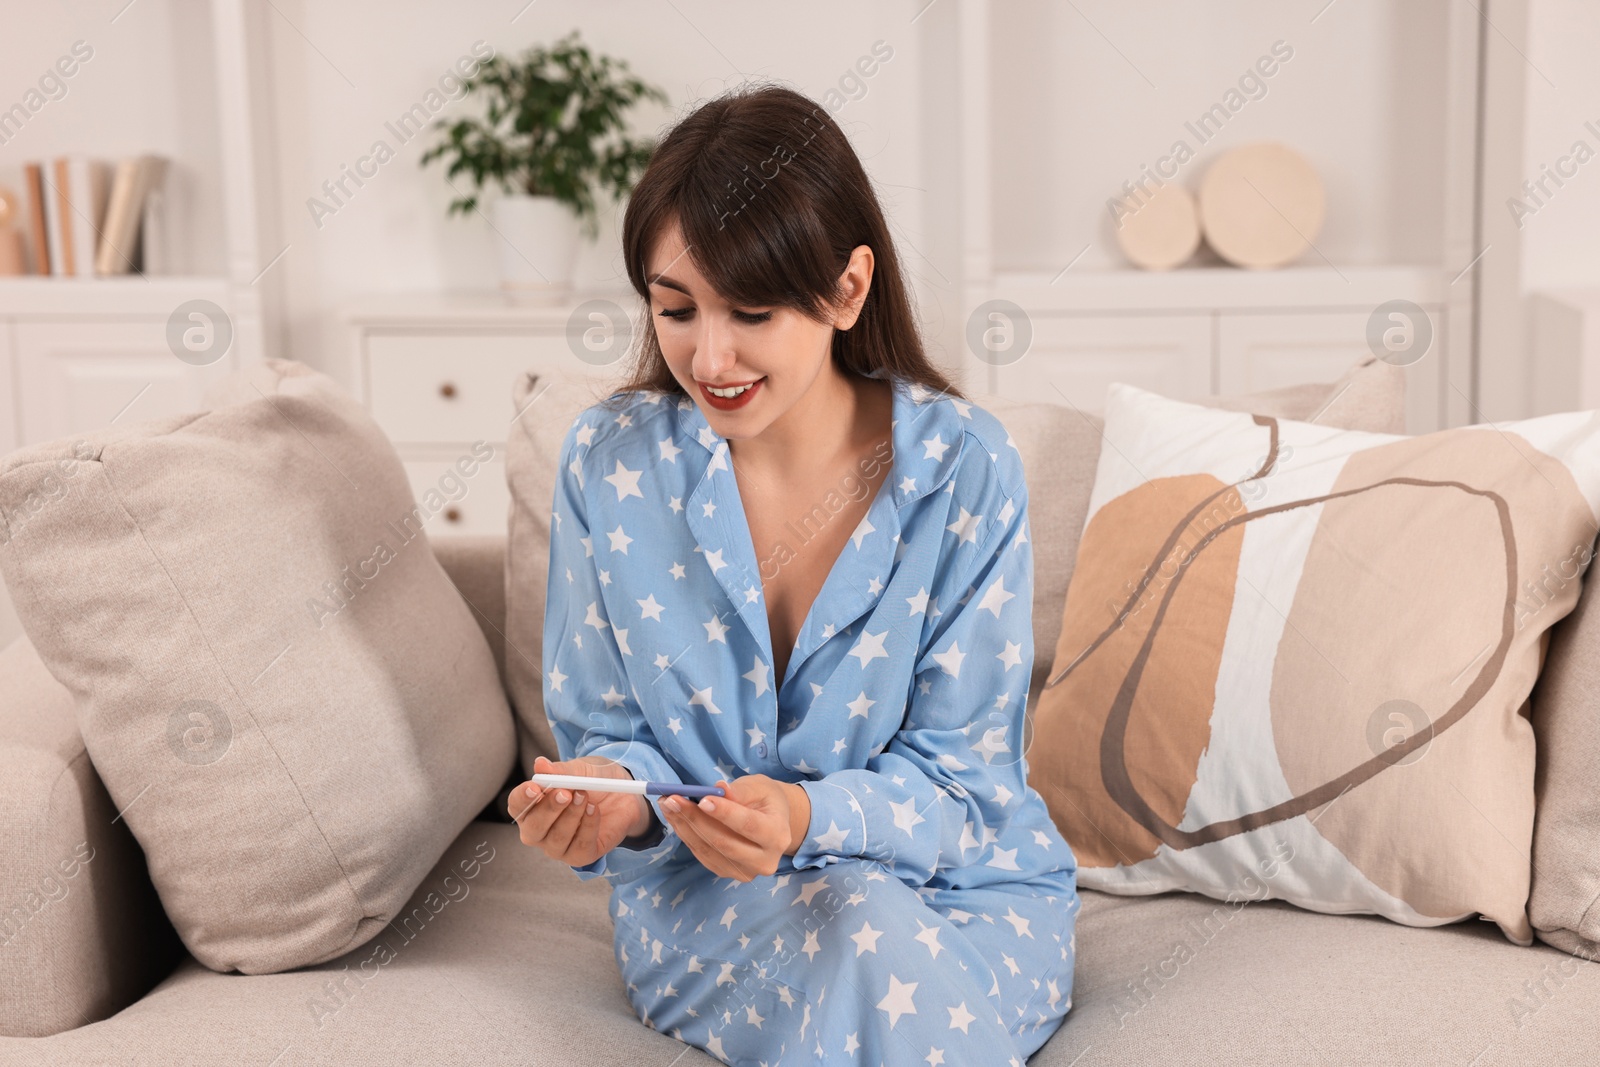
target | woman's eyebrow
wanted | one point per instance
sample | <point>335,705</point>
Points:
<point>670,284</point>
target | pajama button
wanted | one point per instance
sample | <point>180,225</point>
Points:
<point>761,749</point>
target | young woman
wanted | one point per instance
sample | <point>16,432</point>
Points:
<point>788,558</point>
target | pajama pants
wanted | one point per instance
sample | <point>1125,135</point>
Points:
<point>846,964</point>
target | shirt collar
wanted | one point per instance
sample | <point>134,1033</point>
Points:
<point>927,434</point>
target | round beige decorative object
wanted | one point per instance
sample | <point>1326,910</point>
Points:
<point>1261,205</point>
<point>1161,230</point>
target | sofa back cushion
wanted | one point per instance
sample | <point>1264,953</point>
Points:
<point>284,694</point>
<point>1564,905</point>
<point>547,403</point>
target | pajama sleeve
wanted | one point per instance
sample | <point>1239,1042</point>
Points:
<point>588,698</point>
<point>936,795</point>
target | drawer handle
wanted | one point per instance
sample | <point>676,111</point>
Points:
<point>447,390</point>
<point>452,514</point>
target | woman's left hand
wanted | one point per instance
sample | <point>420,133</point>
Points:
<point>741,835</point>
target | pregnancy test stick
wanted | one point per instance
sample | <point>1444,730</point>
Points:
<point>623,785</point>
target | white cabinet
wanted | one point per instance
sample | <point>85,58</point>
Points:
<point>1564,348</point>
<point>442,386</point>
<point>1190,333</point>
<point>81,376</point>
<point>476,499</point>
<point>437,373</point>
<point>8,393</point>
<point>1073,358</point>
<point>1257,352</point>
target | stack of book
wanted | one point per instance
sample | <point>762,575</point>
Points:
<point>84,225</point>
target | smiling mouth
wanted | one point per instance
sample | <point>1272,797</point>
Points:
<point>729,392</point>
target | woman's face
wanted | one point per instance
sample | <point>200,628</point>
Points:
<point>710,343</point>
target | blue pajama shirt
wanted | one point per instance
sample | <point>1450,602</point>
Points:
<point>928,917</point>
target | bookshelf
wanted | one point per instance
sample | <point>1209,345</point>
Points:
<point>76,352</point>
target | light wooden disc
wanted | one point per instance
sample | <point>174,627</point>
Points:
<point>1261,205</point>
<point>1161,230</point>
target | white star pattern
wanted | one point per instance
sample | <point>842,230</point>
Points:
<point>866,939</point>
<point>897,1001</point>
<point>832,840</point>
<point>950,659</point>
<point>906,815</point>
<point>965,527</point>
<point>870,647</point>
<point>626,481</point>
<point>757,676</point>
<point>995,596</point>
<point>863,528</point>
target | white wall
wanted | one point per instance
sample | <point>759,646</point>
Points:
<point>1084,96</point>
<point>343,70</point>
<point>1088,94</point>
<point>1561,238</point>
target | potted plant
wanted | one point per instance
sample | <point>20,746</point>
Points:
<point>552,133</point>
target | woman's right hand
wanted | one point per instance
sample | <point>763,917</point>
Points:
<point>578,827</point>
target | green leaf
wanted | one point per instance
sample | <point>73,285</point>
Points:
<point>553,124</point>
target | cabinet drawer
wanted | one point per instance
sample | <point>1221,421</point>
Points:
<point>441,388</point>
<point>455,504</point>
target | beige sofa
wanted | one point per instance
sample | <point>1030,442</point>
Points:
<point>519,968</point>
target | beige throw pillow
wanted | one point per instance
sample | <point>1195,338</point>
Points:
<point>287,699</point>
<point>1060,447</point>
<point>1295,661</point>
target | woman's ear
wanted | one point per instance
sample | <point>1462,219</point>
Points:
<point>854,284</point>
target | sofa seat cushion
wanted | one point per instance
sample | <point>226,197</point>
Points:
<point>515,965</point>
<point>1182,978</point>
<point>500,957</point>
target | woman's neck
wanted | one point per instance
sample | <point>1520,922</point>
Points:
<point>823,425</point>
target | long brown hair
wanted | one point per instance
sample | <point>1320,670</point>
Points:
<point>771,200</point>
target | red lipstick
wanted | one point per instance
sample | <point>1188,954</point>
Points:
<point>731,403</point>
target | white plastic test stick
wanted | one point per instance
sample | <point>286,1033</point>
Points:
<point>622,785</point>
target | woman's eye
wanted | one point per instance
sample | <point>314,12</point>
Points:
<point>750,317</point>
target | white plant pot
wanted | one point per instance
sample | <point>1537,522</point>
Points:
<point>537,241</point>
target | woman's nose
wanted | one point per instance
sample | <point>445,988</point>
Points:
<point>714,354</point>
